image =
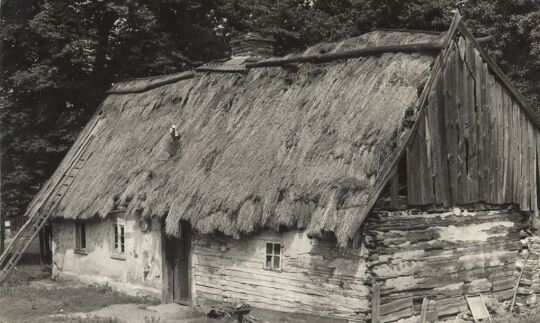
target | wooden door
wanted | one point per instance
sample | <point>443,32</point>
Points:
<point>176,267</point>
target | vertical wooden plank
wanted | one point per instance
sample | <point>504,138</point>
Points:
<point>473,176</point>
<point>376,303</point>
<point>479,90</point>
<point>491,165</point>
<point>527,166</point>
<point>537,170</point>
<point>512,148</point>
<point>532,171</point>
<point>532,149</point>
<point>426,168</point>
<point>500,144</point>
<point>394,188</point>
<point>462,126</point>
<point>413,191</point>
<point>495,140</point>
<point>506,148</point>
<point>450,125</point>
<point>507,109</point>
<point>486,135</point>
<point>534,220</point>
<point>516,111</point>
<point>434,150</point>
<point>420,162</point>
<point>443,174</point>
<point>524,197</point>
<point>434,145</point>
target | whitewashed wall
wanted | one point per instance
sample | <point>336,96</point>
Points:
<point>140,272</point>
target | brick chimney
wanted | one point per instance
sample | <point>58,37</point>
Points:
<point>252,45</point>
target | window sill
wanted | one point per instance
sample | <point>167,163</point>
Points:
<point>273,269</point>
<point>80,252</point>
<point>118,256</point>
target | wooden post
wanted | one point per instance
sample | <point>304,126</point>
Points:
<point>375,303</point>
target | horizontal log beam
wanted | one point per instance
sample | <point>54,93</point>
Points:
<point>150,86</point>
<point>435,46</point>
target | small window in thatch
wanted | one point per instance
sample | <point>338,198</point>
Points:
<point>80,238</point>
<point>273,256</point>
<point>118,243</point>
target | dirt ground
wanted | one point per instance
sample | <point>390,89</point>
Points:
<point>30,296</point>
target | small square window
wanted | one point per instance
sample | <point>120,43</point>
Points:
<point>80,237</point>
<point>273,256</point>
<point>119,239</point>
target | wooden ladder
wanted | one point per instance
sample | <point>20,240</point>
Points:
<point>53,195</point>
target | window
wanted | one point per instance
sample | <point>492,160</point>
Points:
<point>80,237</point>
<point>119,247</point>
<point>273,256</point>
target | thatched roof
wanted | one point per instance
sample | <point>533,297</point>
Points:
<point>264,148</point>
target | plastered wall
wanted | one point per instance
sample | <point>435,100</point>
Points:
<point>138,274</point>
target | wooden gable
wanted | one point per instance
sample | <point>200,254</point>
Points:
<point>477,140</point>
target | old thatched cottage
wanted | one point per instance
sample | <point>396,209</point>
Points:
<point>350,181</point>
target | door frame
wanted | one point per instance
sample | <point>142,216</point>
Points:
<point>174,266</point>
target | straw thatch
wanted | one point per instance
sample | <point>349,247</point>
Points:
<point>271,148</point>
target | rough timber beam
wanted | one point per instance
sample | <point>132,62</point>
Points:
<point>435,46</point>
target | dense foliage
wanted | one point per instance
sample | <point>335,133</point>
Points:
<point>59,56</point>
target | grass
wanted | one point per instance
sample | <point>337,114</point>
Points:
<point>21,301</point>
<point>23,274</point>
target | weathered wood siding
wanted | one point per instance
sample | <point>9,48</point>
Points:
<point>442,255</point>
<point>475,142</point>
<point>316,277</point>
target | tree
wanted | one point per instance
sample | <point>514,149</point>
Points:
<point>59,57</point>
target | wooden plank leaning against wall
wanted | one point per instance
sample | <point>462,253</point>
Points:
<point>475,143</point>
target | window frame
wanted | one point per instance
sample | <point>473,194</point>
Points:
<point>80,240</point>
<point>118,239</point>
<point>273,255</point>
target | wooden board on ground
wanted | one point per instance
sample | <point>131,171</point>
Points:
<point>478,308</point>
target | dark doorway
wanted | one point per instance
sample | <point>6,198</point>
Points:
<point>176,266</point>
<point>45,242</point>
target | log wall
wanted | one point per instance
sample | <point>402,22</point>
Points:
<point>316,277</point>
<point>475,142</point>
<point>442,255</point>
